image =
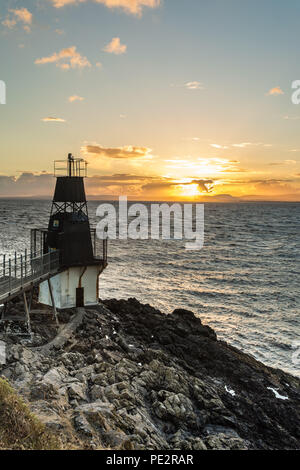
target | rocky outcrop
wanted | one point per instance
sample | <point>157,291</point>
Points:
<point>124,375</point>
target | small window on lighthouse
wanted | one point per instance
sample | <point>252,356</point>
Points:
<point>56,223</point>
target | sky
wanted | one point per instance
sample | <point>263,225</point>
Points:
<point>165,99</point>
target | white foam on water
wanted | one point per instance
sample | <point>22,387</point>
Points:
<point>277,395</point>
<point>230,391</point>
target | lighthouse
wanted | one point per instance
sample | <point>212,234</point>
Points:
<point>69,233</point>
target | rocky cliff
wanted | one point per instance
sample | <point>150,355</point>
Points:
<point>123,375</point>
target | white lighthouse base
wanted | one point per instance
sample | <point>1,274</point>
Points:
<point>75,287</point>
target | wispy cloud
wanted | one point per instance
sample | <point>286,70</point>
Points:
<point>241,145</point>
<point>21,15</point>
<point>275,91</point>
<point>9,22</point>
<point>285,162</point>
<point>220,147</point>
<point>53,119</point>
<point>65,59</point>
<point>126,152</point>
<point>291,118</point>
<point>115,47</point>
<point>75,98</point>
<point>207,167</point>
<point>134,7</point>
<point>194,85</point>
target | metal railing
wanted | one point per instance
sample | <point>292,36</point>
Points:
<point>71,167</point>
<point>39,237</point>
<point>22,270</point>
<point>100,247</point>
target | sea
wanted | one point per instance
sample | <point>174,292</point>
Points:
<point>244,282</point>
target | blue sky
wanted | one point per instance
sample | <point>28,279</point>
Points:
<point>188,99</point>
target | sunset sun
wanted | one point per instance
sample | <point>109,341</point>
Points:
<point>190,190</point>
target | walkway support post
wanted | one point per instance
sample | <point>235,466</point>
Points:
<point>27,313</point>
<point>53,302</point>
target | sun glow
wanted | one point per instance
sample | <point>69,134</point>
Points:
<point>189,190</point>
<point>204,168</point>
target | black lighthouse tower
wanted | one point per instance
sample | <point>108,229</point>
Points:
<point>69,228</point>
<point>69,234</point>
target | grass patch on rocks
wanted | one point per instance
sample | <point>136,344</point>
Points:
<point>19,428</point>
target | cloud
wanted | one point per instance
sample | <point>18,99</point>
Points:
<point>115,47</point>
<point>9,23</point>
<point>66,59</point>
<point>21,15</point>
<point>285,162</point>
<point>30,184</point>
<point>275,91</point>
<point>204,185</point>
<point>194,86</point>
<point>27,184</point>
<point>134,7</point>
<point>143,187</point>
<point>53,119</point>
<point>75,98</point>
<point>126,152</point>
<point>243,145</point>
<point>167,183</point>
<point>205,167</point>
<point>217,146</point>
<point>291,118</point>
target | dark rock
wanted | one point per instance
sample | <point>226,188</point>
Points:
<point>131,377</point>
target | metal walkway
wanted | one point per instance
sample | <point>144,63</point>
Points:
<point>21,273</point>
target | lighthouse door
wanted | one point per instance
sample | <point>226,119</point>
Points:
<point>79,297</point>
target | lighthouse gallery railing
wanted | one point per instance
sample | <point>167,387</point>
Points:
<point>21,271</point>
<point>38,243</point>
